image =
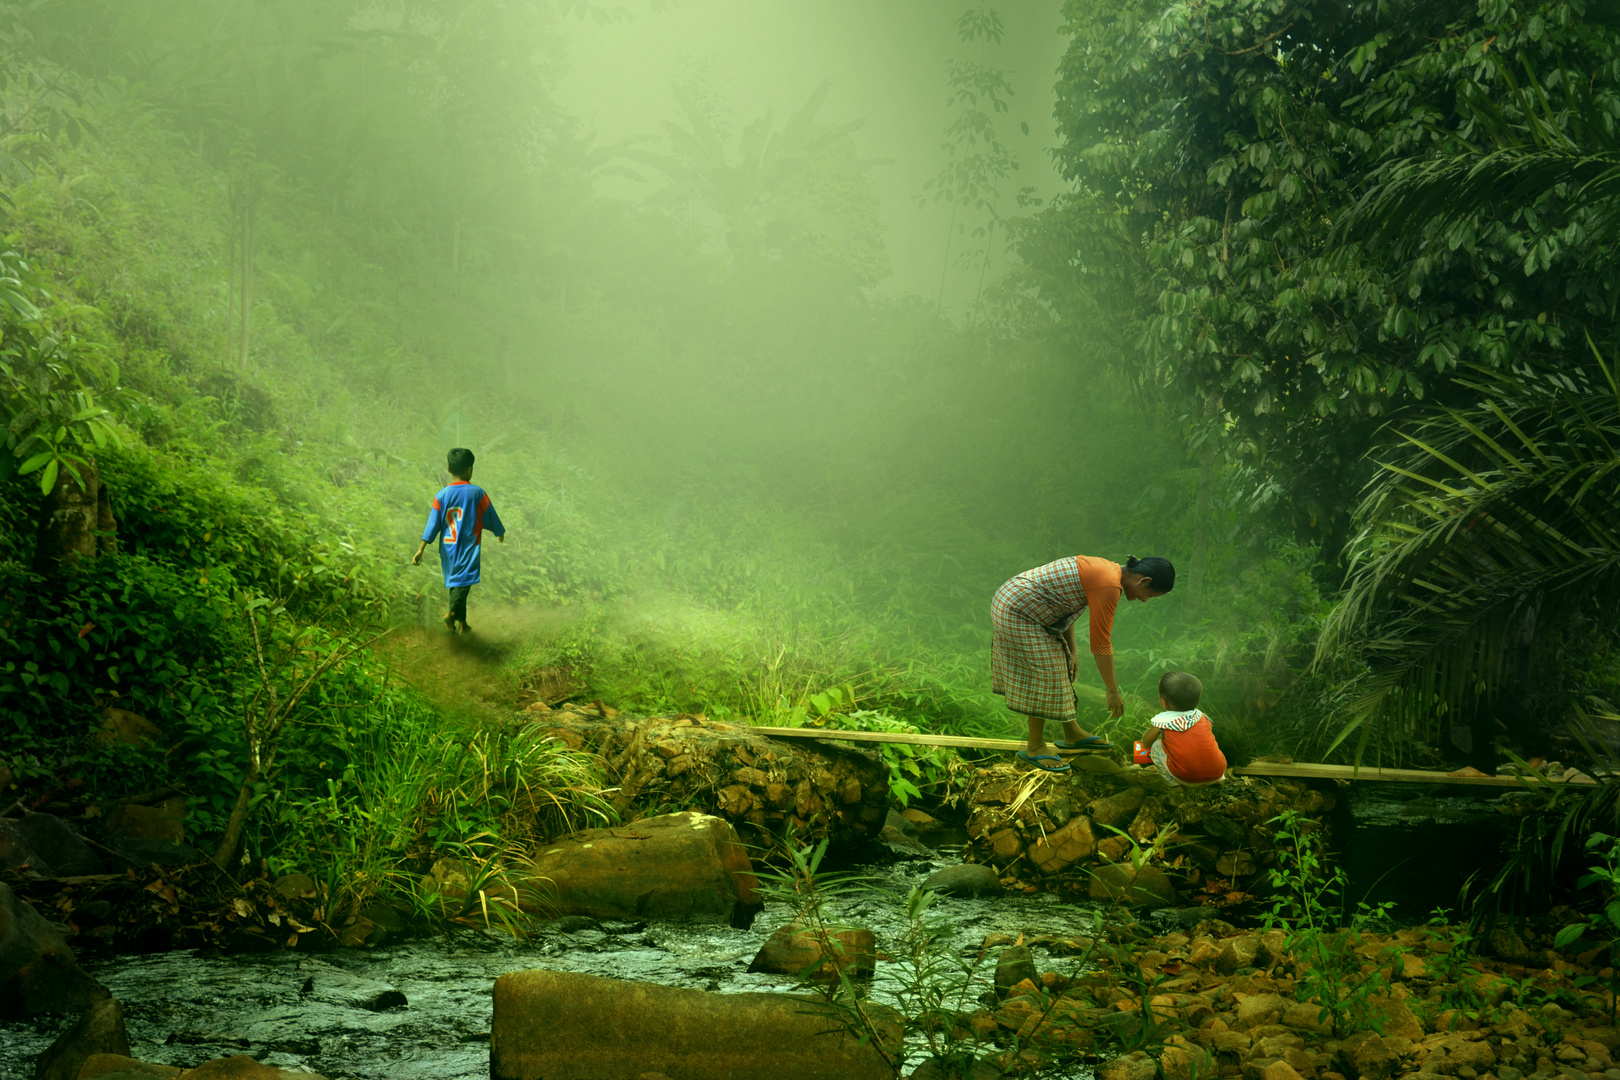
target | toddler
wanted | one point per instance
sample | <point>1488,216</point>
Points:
<point>1182,740</point>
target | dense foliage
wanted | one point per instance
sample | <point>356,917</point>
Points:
<point>1239,170</point>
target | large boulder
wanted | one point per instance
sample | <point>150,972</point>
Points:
<point>759,784</point>
<point>120,1067</point>
<point>553,1025</point>
<point>151,834</point>
<point>47,845</point>
<point>38,972</point>
<point>686,866</point>
<point>99,1031</point>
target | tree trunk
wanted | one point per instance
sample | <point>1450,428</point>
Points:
<point>68,522</point>
<point>237,821</point>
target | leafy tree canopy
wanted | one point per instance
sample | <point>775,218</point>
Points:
<point>1217,148</point>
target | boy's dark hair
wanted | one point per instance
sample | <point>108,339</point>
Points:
<point>1180,690</point>
<point>459,461</point>
<point>1160,573</point>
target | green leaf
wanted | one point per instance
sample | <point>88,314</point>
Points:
<point>1569,935</point>
<point>47,479</point>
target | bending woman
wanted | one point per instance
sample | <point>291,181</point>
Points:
<point>1032,654</point>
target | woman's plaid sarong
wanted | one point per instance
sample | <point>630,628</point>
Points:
<point>1030,661</point>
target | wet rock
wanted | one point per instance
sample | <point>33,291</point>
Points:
<point>1279,1070</point>
<point>1067,845</point>
<point>1137,886</point>
<point>1134,1066</point>
<point>38,972</point>
<point>1181,918</point>
<point>904,845</point>
<point>123,726</point>
<point>1113,811</point>
<point>1371,1056</point>
<point>296,886</point>
<point>1238,952</point>
<point>1259,1009</point>
<point>242,1067</point>
<point>919,818</point>
<point>799,950</point>
<point>165,821</point>
<point>899,822</point>
<point>1182,1060</point>
<point>1306,1017</point>
<point>685,866</point>
<point>553,1024</point>
<point>46,844</point>
<point>361,932</point>
<point>119,1067</point>
<point>1005,846</point>
<point>1016,964</point>
<point>965,879</point>
<point>99,1031</point>
<point>962,1067</point>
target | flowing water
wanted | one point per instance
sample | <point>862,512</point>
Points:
<point>1412,845</point>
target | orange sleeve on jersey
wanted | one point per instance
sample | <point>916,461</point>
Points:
<point>1100,579</point>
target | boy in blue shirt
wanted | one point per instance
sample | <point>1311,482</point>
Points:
<point>460,514</point>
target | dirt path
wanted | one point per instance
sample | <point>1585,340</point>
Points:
<point>479,672</point>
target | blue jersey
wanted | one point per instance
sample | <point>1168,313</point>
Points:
<point>460,514</point>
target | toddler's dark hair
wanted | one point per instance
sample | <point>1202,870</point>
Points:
<point>1180,689</point>
<point>1157,570</point>
<point>459,461</point>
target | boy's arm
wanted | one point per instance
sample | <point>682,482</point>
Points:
<point>430,531</point>
<point>1152,736</point>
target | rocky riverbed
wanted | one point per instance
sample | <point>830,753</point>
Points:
<point>1101,978</point>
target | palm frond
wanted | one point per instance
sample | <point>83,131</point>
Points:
<point>1509,157</point>
<point>1492,526</point>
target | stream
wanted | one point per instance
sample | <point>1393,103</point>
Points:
<point>183,1008</point>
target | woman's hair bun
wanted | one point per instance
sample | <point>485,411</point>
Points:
<point>1160,573</point>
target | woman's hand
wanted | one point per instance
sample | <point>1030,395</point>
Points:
<point>1116,703</point>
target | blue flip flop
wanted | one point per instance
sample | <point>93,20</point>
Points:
<point>1036,759</point>
<point>1090,742</point>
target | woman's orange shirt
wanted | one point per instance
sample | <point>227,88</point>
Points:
<point>1102,582</point>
